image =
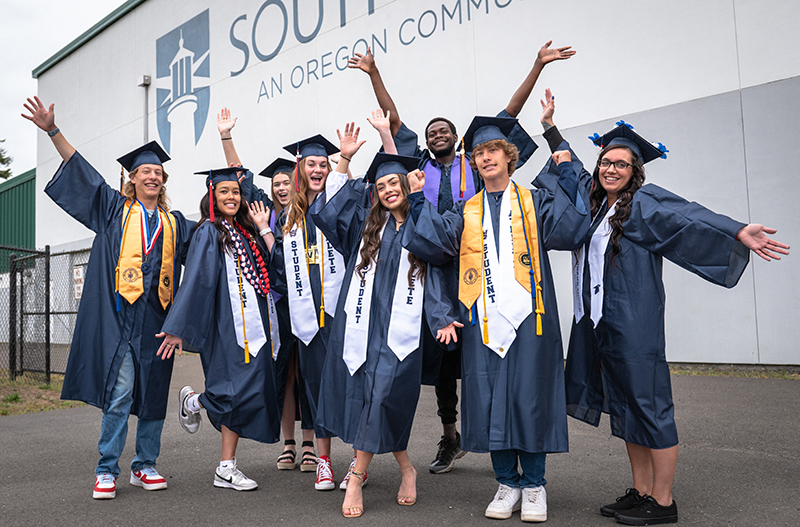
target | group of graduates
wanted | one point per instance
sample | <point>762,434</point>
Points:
<point>335,298</point>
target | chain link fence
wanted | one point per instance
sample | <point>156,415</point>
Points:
<point>39,297</point>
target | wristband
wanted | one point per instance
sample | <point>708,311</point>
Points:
<point>263,232</point>
<point>227,138</point>
<point>51,133</point>
<point>344,157</point>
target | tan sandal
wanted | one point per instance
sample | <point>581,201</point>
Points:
<point>407,501</point>
<point>353,511</point>
<point>308,463</point>
<point>287,460</point>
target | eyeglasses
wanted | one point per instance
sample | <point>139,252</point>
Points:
<point>619,165</point>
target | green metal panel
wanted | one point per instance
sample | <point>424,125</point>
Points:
<point>18,211</point>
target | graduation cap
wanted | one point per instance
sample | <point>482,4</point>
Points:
<point>483,129</point>
<point>313,146</point>
<point>215,176</point>
<point>387,164</point>
<point>151,154</point>
<point>277,166</point>
<point>624,135</point>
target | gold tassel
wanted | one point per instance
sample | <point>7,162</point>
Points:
<point>241,302</point>
<point>246,351</point>
<point>322,315</point>
<point>538,324</point>
<point>485,331</point>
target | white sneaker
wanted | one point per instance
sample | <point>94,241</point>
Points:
<point>505,502</point>
<point>188,420</point>
<point>343,484</point>
<point>534,504</point>
<point>105,487</point>
<point>232,478</point>
<point>149,479</point>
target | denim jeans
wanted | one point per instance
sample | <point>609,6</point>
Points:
<point>114,429</point>
<point>504,463</point>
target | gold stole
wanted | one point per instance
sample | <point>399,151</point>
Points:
<point>525,240</point>
<point>129,277</point>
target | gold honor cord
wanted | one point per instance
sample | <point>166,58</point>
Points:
<point>241,302</point>
<point>463,186</point>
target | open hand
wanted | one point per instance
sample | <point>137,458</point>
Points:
<point>754,237</point>
<point>170,344</point>
<point>448,332</point>
<point>349,143</point>
<point>44,118</point>
<point>259,214</point>
<point>379,121</point>
<point>224,122</point>
<point>548,107</point>
<point>547,55</point>
<point>365,63</point>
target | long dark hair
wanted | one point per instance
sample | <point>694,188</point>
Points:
<point>299,201</point>
<point>598,194</point>
<point>378,216</point>
<point>242,217</point>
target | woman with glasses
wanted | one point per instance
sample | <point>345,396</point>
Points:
<point>616,361</point>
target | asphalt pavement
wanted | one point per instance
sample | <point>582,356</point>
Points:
<point>738,464</point>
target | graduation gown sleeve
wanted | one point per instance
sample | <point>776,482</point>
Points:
<point>341,218</point>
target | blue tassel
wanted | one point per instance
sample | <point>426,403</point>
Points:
<point>623,123</point>
<point>119,303</point>
<point>663,149</point>
<point>474,314</point>
<point>595,139</point>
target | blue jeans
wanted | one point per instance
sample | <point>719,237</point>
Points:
<point>504,463</point>
<point>114,430</point>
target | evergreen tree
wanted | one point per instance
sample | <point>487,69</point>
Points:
<point>5,161</point>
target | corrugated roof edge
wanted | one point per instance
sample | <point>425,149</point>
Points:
<point>14,181</point>
<point>92,32</point>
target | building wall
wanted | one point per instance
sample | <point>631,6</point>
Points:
<point>716,81</point>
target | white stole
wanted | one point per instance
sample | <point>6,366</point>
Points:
<point>244,307</point>
<point>302,309</point>
<point>406,316</point>
<point>597,259</point>
<point>508,303</point>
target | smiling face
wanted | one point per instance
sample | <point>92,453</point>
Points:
<point>440,139</point>
<point>390,192</point>
<point>316,169</point>
<point>148,180</point>
<point>281,184</point>
<point>492,163</point>
<point>227,198</point>
<point>612,179</point>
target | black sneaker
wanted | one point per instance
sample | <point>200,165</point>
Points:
<point>449,451</point>
<point>649,512</point>
<point>629,501</point>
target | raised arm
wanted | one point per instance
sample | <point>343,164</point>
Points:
<point>366,63</point>
<point>544,57</point>
<point>225,124</point>
<point>383,125</point>
<point>45,119</point>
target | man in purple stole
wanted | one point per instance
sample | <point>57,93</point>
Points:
<point>445,186</point>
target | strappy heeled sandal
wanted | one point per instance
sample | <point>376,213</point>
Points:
<point>287,460</point>
<point>308,462</point>
<point>355,511</point>
<point>407,500</point>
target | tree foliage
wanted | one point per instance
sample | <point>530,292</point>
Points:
<point>5,161</point>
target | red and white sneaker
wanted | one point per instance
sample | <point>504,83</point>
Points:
<point>148,479</point>
<point>324,474</point>
<point>105,487</point>
<point>343,484</point>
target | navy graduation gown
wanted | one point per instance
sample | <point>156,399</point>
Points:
<point>102,334</point>
<point>238,395</point>
<point>374,408</point>
<point>253,193</point>
<point>620,366</point>
<point>516,402</point>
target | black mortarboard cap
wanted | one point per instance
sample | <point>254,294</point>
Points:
<point>313,146</point>
<point>219,175</point>
<point>484,128</point>
<point>279,165</point>
<point>386,164</point>
<point>624,135</point>
<point>151,154</point>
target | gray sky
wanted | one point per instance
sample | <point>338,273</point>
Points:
<point>31,31</point>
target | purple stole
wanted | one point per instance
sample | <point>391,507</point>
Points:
<point>272,217</point>
<point>433,179</point>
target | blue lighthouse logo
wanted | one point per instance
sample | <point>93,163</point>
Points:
<point>182,80</point>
